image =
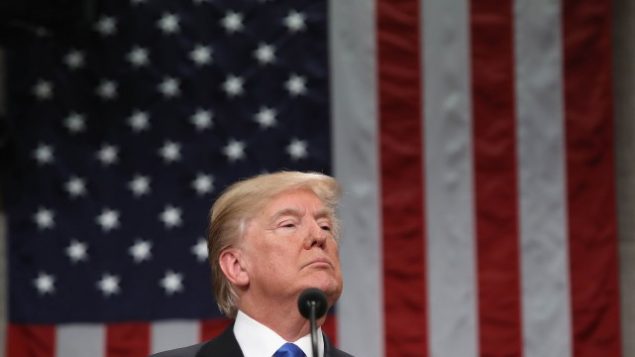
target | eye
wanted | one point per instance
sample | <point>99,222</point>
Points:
<point>325,227</point>
<point>287,224</point>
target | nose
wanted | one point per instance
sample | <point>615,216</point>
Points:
<point>316,236</point>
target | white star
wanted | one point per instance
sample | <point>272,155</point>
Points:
<point>200,250</point>
<point>232,22</point>
<point>108,219</point>
<point>139,121</point>
<point>266,117</point>
<point>106,25</point>
<point>75,186</point>
<point>44,218</point>
<point>265,53</point>
<point>172,282</point>
<point>203,184</point>
<point>44,283</point>
<point>107,89</point>
<point>233,86</point>
<point>43,89</point>
<point>138,56</point>
<point>295,21</point>
<point>295,85</point>
<point>169,87</point>
<point>141,250</point>
<point>202,119</point>
<point>171,217</point>
<point>140,185</point>
<point>107,154</point>
<point>75,123</point>
<point>74,59</point>
<point>76,251</point>
<point>201,55</point>
<point>169,23</point>
<point>109,284</point>
<point>43,154</point>
<point>170,151</point>
<point>234,150</point>
<point>297,149</point>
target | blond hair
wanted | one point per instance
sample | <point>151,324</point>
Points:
<point>240,202</point>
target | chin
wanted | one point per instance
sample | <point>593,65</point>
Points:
<point>332,286</point>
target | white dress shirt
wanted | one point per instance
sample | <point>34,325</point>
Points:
<point>258,340</point>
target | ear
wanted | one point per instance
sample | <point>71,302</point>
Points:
<point>231,263</point>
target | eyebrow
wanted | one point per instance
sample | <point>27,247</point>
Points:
<point>323,213</point>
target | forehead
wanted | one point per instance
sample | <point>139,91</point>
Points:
<point>299,199</point>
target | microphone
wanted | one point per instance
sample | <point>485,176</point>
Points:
<point>313,305</point>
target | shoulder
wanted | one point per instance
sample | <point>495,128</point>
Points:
<point>331,351</point>
<point>189,351</point>
<point>224,345</point>
<point>338,353</point>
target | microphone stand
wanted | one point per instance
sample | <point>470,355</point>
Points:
<point>312,319</point>
<point>312,304</point>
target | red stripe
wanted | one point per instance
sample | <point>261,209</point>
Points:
<point>402,177</point>
<point>127,339</point>
<point>590,173</point>
<point>496,191</point>
<point>213,328</point>
<point>30,340</point>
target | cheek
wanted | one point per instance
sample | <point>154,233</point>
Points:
<point>276,259</point>
<point>335,255</point>
<point>334,250</point>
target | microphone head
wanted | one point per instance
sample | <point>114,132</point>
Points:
<point>312,295</point>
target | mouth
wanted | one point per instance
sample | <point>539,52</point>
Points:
<point>320,263</point>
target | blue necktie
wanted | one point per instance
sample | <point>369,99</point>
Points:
<point>289,350</point>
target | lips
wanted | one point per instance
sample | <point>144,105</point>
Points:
<point>320,262</point>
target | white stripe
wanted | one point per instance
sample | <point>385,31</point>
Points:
<point>354,120</point>
<point>80,340</point>
<point>166,335</point>
<point>448,169</point>
<point>544,259</point>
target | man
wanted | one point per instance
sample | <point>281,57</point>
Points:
<point>270,237</point>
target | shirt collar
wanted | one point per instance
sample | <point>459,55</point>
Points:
<point>257,340</point>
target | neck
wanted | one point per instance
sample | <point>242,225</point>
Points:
<point>283,318</point>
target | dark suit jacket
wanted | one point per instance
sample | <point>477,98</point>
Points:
<point>226,345</point>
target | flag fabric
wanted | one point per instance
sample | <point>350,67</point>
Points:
<point>477,147</point>
<point>473,140</point>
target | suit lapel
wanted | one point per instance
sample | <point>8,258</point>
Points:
<point>225,345</point>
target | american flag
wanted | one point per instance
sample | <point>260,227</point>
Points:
<point>121,140</point>
<point>473,140</point>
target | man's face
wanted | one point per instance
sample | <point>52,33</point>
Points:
<point>289,246</point>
